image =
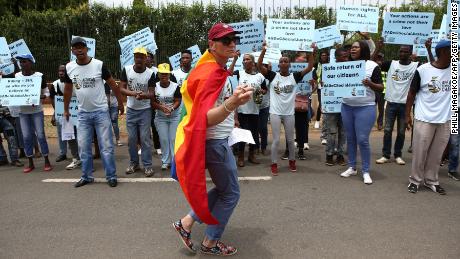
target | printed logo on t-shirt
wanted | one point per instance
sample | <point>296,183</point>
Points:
<point>136,86</point>
<point>164,99</point>
<point>401,75</point>
<point>283,89</point>
<point>89,82</point>
<point>435,85</point>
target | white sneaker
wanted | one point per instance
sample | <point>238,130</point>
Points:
<point>159,151</point>
<point>119,143</point>
<point>350,171</point>
<point>324,141</point>
<point>306,146</point>
<point>75,163</point>
<point>316,124</point>
<point>367,178</point>
<point>139,152</point>
<point>383,160</point>
<point>399,161</point>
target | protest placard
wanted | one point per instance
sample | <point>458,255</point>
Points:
<point>59,109</point>
<point>290,34</point>
<point>19,47</point>
<point>327,36</point>
<point>332,55</point>
<point>20,91</point>
<point>443,32</point>
<point>272,55</point>
<point>174,60</point>
<point>143,38</point>
<point>358,18</point>
<point>303,86</point>
<point>238,64</point>
<point>127,47</point>
<point>251,36</point>
<point>5,57</point>
<point>330,104</point>
<point>344,79</point>
<point>90,43</point>
<point>420,49</point>
<point>407,27</point>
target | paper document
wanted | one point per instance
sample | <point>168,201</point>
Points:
<point>240,135</point>
<point>67,130</point>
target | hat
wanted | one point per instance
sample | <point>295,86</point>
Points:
<point>78,40</point>
<point>164,68</point>
<point>26,56</point>
<point>442,44</point>
<point>220,30</point>
<point>140,50</point>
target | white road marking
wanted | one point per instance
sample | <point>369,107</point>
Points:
<point>148,180</point>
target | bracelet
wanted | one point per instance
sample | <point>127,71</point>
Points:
<point>225,107</point>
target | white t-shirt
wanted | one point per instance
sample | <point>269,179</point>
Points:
<point>29,109</point>
<point>223,129</point>
<point>282,92</point>
<point>166,95</point>
<point>88,84</point>
<point>138,82</point>
<point>399,78</point>
<point>369,99</point>
<point>180,76</point>
<point>432,103</point>
<point>256,81</point>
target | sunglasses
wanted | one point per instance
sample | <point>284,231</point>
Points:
<point>227,40</point>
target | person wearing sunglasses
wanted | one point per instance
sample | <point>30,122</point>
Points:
<point>202,142</point>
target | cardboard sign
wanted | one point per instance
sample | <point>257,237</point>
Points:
<point>20,91</point>
<point>407,28</point>
<point>358,18</point>
<point>344,79</point>
<point>290,34</point>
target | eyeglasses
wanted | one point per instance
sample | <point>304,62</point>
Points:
<point>227,40</point>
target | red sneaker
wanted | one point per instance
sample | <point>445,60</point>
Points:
<point>47,168</point>
<point>292,166</point>
<point>274,168</point>
<point>28,169</point>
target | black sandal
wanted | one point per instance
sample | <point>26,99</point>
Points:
<point>185,236</point>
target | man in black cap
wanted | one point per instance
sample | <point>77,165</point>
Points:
<point>86,77</point>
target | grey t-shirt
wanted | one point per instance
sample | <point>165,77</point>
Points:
<point>223,129</point>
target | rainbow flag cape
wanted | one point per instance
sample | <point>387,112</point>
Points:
<point>199,94</point>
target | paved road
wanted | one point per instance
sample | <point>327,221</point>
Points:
<point>309,214</point>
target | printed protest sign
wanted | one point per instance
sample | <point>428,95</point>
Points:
<point>443,32</point>
<point>20,91</point>
<point>407,27</point>
<point>327,37</point>
<point>175,59</point>
<point>331,104</point>
<point>332,55</point>
<point>5,58</point>
<point>90,43</point>
<point>290,34</point>
<point>251,36</point>
<point>420,49</point>
<point>303,86</point>
<point>272,55</point>
<point>143,38</point>
<point>238,64</point>
<point>358,18</point>
<point>344,79</point>
<point>19,47</point>
<point>59,109</point>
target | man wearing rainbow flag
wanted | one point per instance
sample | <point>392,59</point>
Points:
<point>202,142</point>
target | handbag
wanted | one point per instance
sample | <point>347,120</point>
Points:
<point>302,103</point>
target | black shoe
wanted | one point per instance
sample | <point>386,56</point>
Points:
<point>436,188</point>
<point>4,162</point>
<point>330,160</point>
<point>412,188</point>
<point>112,182</point>
<point>454,175</point>
<point>300,155</point>
<point>285,156</point>
<point>82,182</point>
<point>340,160</point>
<point>17,163</point>
<point>61,158</point>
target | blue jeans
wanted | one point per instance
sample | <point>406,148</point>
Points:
<point>358,122</point>
<point>453,152</point>
<point>9,134</point>
<point>138,121</point>
<point>114,119</point>
<point>223,198</point>
<point>31,125</point>
<point>263,129</point>
<point>87,123</point>
<point>394,112</point>
<point>63,143</point>
<point>335,134</point>
<point>166,127</point>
